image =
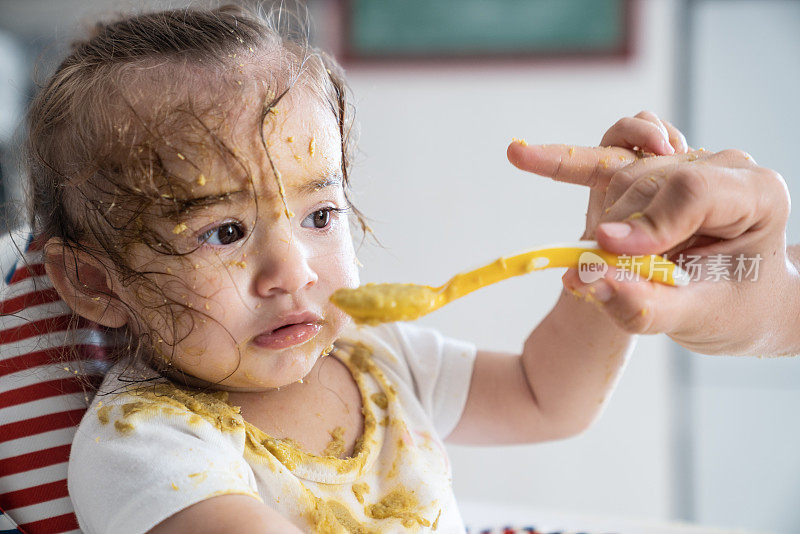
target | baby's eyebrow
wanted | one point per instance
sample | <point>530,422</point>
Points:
<point>316,184</point>
<point>185,206</point>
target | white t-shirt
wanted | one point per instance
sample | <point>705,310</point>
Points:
<point>151,450</point>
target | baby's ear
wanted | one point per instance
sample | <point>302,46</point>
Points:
<point>85,283</point>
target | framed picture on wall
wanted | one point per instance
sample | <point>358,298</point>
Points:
<point>454,30</point>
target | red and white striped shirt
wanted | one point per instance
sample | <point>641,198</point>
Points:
<point>46,354</point>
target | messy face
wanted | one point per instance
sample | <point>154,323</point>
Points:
<point>260,217</point>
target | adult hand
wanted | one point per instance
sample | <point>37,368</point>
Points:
<point>719,207</point>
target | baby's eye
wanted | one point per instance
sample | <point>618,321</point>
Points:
<point>318,219</point>
<point>224,234</point>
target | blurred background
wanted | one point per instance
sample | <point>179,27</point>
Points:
<point>707,440</point>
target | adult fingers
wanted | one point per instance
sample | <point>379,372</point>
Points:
<point>676,138</point>
<point>571,164</point>
<point>594,211</point>
<point>639,182</point>
<point>722,202</point>
<point>640,306</point>
<point>639,132</point>
<point>731,158</point>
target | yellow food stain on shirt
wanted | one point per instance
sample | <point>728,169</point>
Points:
<point>102,414</point>
<point>345,518</point>
<point>131,408</point>
<point>399,503</point>
<point>335,447</point>
<point>322,519</point>
<point>435,524</point>
<point>167,397</point>
<point>397,460</point>
<point>380,399</point>
<point>292,443</point>
<point>359,490</point>
<point>197,478</point>
<point>174,486</point>
<point>267,447</point>
<point>123,427</point>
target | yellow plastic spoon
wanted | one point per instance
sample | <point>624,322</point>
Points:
<point>381,303</point>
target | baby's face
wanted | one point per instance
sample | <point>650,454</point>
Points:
<point>256,292</point>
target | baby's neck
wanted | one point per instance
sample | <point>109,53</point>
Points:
<point>309,413</point>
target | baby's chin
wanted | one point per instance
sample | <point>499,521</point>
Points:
<point>262,372</point>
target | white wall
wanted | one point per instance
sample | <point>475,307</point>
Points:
<point>433,174</point>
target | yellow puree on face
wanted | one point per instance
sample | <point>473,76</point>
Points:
<point>381,303</point>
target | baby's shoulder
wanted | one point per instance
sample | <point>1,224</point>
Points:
<point>151,408</point>
<point>154,446</point>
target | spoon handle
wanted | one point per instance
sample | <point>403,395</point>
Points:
<point>587,256</point>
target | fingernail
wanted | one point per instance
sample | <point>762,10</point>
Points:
<point>616,230</point>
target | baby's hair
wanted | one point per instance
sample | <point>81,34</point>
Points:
<point>96,134</point>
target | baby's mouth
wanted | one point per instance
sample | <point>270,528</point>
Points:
<point>289,335</point>
<point>290,330</point>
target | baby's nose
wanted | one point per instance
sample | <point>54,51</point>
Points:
<point>284,268</point>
